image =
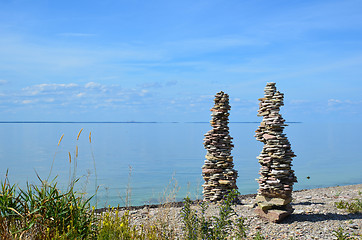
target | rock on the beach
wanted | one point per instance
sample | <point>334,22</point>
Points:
<point>276,176</point>
<point>217,171</point>
<point>274,215</point>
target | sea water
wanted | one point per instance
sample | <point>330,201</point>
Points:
<point>149,162</point>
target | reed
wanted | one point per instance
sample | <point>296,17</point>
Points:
<point>44,212</point>
<point>128,194</point>
<point>51,168</point>
<point>95,170</point>
<point>164,224</point>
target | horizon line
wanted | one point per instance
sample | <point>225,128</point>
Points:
<point>29,122</point>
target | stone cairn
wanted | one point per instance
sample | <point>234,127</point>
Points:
<point>276,176</point>
<point>218,172</point>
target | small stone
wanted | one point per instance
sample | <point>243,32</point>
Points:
<point>299,211</point>
<point>224,182</point>
<point>353,225</point>
<point>268,137</point>
<point>274,215</point>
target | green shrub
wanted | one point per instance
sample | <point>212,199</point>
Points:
<point>44,212</point>
<point>258,236</point>
<point>197,226</point>
<point>352,207</point>
<point>340,234</point>
<point>113,226</point>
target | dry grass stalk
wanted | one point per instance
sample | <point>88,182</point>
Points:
<point>79,134</point>
<point>60,139</point>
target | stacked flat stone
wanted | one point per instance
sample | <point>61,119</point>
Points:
<point>218,172</point>
<point>276,176</point>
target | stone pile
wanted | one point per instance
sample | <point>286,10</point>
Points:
<point>218,172</point>
<point>276,176</point>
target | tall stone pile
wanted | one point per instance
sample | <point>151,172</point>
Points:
<point>218,172</point>
<point>276,176</point>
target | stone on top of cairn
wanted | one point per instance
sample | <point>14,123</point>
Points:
<point>276,176</point>
<point>218,172</point>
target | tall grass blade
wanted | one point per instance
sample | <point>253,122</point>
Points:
<point>95,170</point>
<point>51,168</point>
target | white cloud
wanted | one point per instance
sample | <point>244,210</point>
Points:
<point>143,92</point>
<point>46,88</point>
<point>347,102</point>
<point>93,85</point>
<point>332,102</point>
<point>3,82</point>
<point>88,96</point>
<point>29,101</point>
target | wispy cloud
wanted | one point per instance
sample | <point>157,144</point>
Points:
<point>29,101</point>
<point>77,34</point>
<point>3,82</point>
<point>338,103</point>
<point>49,89</point>
<point>212,44</point>
<point>89,95</point>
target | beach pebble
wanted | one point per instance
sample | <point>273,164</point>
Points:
<point>353,225</point>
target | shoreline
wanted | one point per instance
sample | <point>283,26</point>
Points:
<point>315,215</point>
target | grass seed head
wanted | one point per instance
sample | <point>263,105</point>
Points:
<point>79,134</point>
<point>60,139</point>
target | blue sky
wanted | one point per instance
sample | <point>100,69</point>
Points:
<point>164,60</point>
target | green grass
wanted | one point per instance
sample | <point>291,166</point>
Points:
<point>218,227</point>
<point>340,234</point>
<point>354,206</point>
<point>43,212</point>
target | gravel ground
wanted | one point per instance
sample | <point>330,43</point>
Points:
<point>315,215</point>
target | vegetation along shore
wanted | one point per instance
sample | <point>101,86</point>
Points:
<point>43,212</point>
<point>321,213</point>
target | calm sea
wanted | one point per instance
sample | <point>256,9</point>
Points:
<point>152,158</point>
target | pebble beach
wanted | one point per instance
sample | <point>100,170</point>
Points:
<point>315,215</point>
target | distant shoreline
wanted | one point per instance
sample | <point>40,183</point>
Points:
<point>57,122</point>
